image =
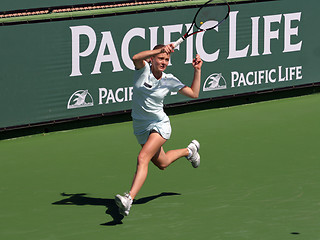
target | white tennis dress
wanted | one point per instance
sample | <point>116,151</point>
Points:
<point>147,103</point>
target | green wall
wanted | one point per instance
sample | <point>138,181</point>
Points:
<point>47,67</point>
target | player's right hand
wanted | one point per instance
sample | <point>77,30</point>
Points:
<point>168,49</point>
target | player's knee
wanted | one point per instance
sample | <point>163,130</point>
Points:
<point>160,165</point>
<point>162,168</point>
<point>142,159</point>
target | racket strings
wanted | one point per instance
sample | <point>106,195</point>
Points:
<point>211,15</point>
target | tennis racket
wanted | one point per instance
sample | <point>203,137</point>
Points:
<point>209,16</point>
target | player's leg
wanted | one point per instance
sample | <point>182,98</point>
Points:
<point>153,150</point>
<point>163,159</point>
<point>149,149</point>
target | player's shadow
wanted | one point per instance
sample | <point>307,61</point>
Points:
<point>81,199</point>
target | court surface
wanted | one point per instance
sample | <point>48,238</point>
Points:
<point>258,179</point>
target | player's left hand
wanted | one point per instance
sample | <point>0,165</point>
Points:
<point>197,62</point>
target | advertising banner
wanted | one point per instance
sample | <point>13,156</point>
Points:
<point>67,69</point>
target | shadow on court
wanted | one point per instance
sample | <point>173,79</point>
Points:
<point>81,199</point>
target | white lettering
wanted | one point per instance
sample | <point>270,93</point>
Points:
<point>167,34</point>
<point>288,32</point>
<point>189,46</point>
<point>233,52</point>
<point>102,94</point>
<point>255,36</point>
<point>118,99</point>
<point>135,32</point>
<point>239,79</point>
<point>250,83</point>
<point>130,93</point>
<point>274,26</point>
<point>199,44</point>
<point>120,95</point>
<point>110,97</point>
<point>260,76</point>
<point>167,30</point>
<point>234,78</point>
<point>281,79</point>
<point>76,54</point>
<point>272,71</point>
<point>242,80</point>
<point>153,36</point>
<point>299,72</point>
<point>268,34</point>
<point>107,41</point>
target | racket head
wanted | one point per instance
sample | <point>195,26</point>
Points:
<point>211,14</point>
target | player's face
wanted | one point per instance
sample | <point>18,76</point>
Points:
<point>160,62</point>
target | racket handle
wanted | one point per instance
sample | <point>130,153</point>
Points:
<point>178,42</point>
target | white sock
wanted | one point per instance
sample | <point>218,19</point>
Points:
<point>130,196</point>
<point>190,153</point>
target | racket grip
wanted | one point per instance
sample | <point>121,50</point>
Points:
<point>178,42</point>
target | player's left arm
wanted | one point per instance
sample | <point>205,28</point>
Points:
<point>193,91</point>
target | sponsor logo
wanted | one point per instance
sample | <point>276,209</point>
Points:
<point>107,96</point>
<point>214,82</point>
<point>283,29</point>
<point>270,76</point>
<point>80,99</point>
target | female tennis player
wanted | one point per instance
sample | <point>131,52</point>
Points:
<point>151,125</point>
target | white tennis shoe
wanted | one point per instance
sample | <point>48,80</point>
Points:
<point>124,203</point>
<point>194,147</point>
